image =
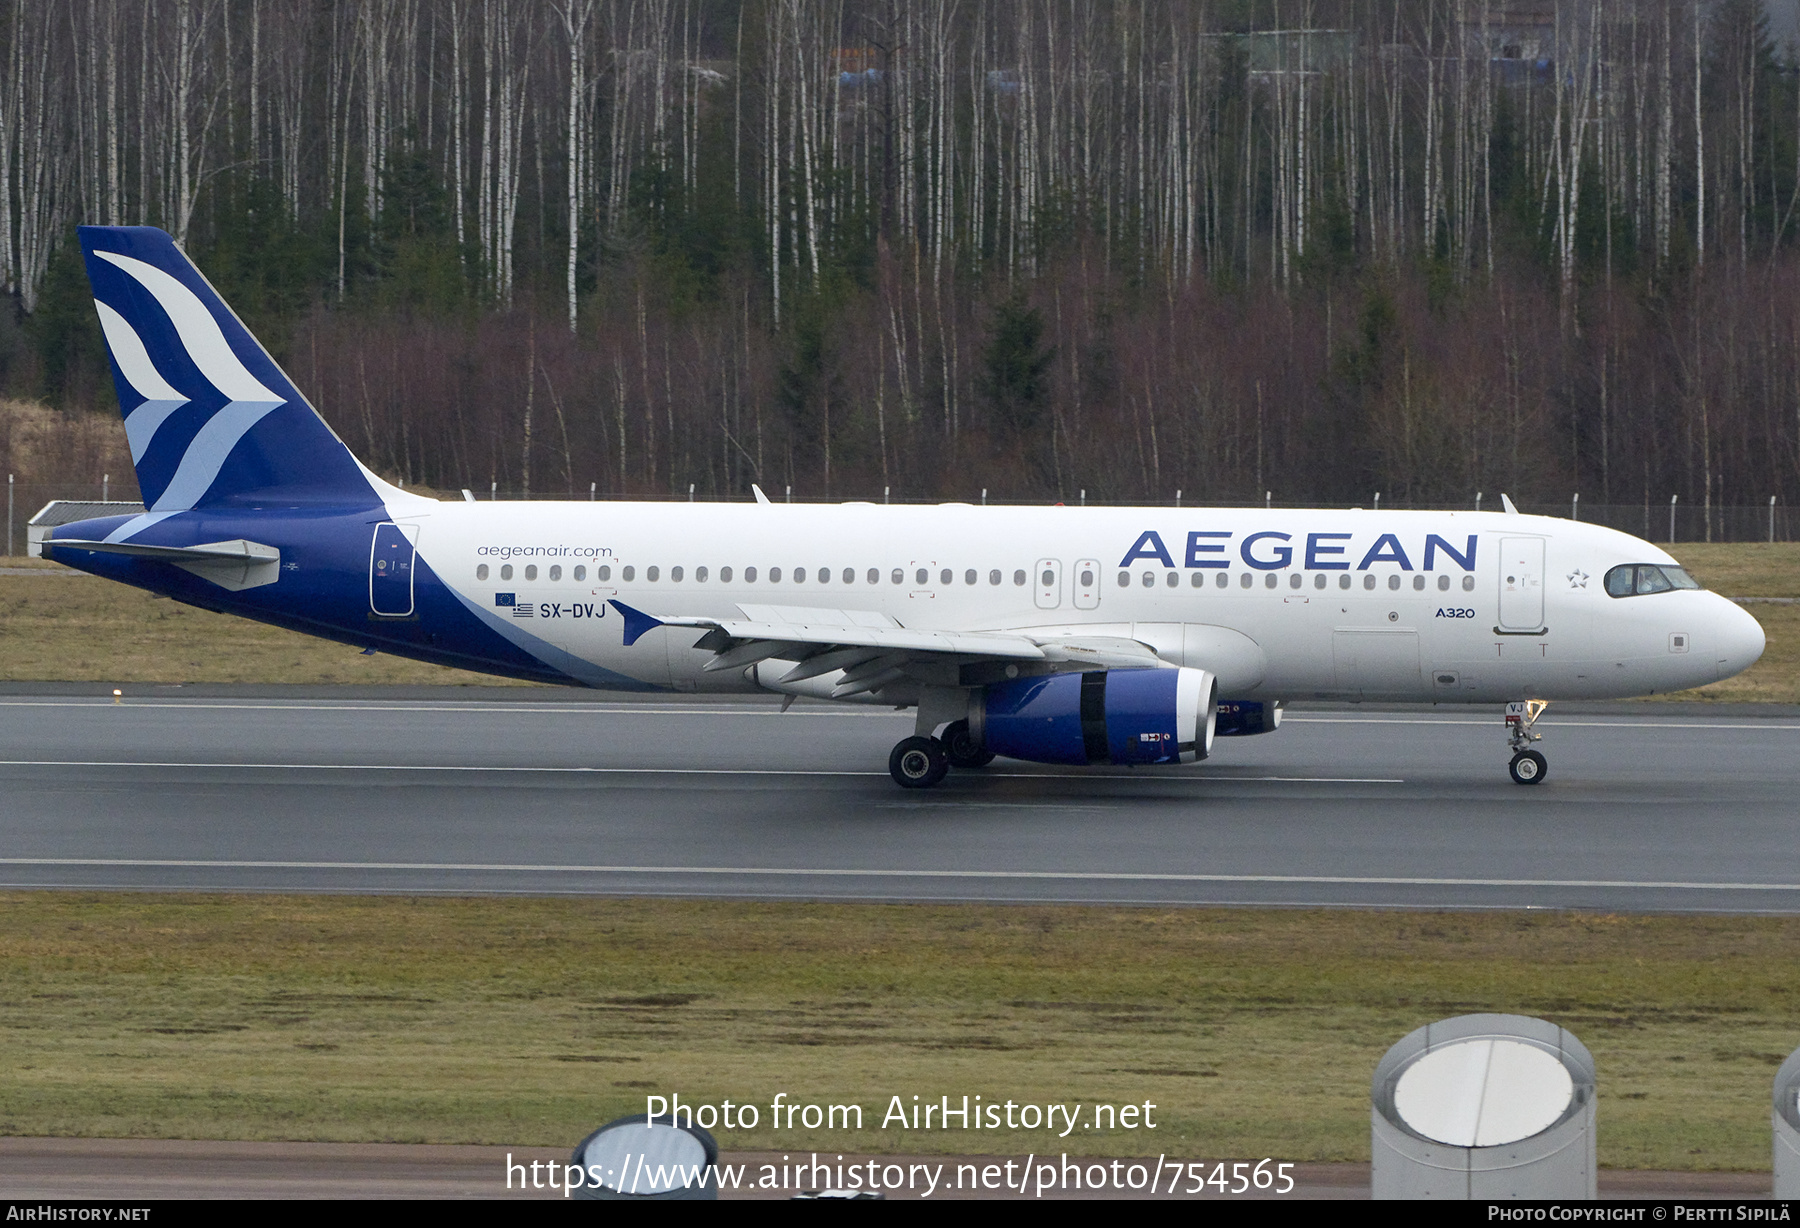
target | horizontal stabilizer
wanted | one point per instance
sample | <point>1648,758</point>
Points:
<point>237,551</point>
<point>234,565</point>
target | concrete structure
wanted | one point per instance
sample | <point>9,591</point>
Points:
<point>68,511</point>
<point>1484,1107</point>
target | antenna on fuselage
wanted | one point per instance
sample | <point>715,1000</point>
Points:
<point>757,491</point>
<point>1507,504</point>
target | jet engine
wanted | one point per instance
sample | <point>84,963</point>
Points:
<point>1107,716</point>
<point>1242,718</point>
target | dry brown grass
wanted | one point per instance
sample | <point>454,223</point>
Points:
<point>528,1021</point>
<point>69,626</point>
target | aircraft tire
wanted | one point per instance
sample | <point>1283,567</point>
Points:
<point>962,750</point>
<point>1528,768</point>
<point>918,763</point>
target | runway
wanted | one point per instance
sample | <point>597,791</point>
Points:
<point>674,796</point>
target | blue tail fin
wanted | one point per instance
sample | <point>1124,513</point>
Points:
<point>212,420</point>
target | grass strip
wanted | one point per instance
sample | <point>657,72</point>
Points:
<point>528,1021</point>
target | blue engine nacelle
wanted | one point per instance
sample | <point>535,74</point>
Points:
<point>1110,716</point>
<point>1240,718</point>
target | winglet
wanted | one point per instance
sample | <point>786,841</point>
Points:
<point>757,491</point>
<point>636,622</point>
<point>1508,505</point>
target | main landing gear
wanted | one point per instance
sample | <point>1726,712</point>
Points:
<point>918,763</point>
<point>1528,767</point>
<point>921,762</point>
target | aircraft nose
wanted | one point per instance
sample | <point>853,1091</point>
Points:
<point>1739,638</point>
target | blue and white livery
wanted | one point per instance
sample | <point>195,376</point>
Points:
<point>1059,635</point>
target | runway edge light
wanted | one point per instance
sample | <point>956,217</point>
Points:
<point>1484,1107</point>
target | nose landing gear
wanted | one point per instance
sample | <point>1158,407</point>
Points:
<point>1528,767</point>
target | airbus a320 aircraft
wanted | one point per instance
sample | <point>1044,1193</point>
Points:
<point>1051,634</point>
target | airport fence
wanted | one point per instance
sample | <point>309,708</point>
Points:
<point>1665,519</point>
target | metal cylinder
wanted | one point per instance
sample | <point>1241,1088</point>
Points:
<point>1484,1107</point>
<point>647,1158</point>
<point>1786,1122</point>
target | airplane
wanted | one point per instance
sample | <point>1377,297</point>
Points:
<point>1063,635</point>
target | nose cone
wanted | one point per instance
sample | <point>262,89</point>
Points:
<point>1739,638</point>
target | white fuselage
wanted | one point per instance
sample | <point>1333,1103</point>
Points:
<point>1445,607</point>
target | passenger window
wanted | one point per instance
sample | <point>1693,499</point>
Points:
<point>1418,584</point>
<point>1443,584</point>
<point>1019,578</point>
<point>1246,580</point>
<point>1468,584</point>
<point>1270,581</point>
<point>1296,580</point>
<point>481,572</point>
<point>749,575</point>
<point>774,575</point>
<point>1048,579</point>
<point>629,574</point>
<point>531,571</point>
<point>824,575</point>
<point>1198,578</point>
<point>922,578</point>
<point>1344,580</point>
<point>899,576</point>
<point>580,572</point>
<point>874,576</point>
<point>506,571</point>
<point>1224,579</point>
<point>1368,580</point>
<point>969,577</point>
<point>1149,579</point>
<point>1319,580</point>
<point>699,575</point>
<point>850,576</point>
<point>724,575</point>
<point>674,574</point>
<point>556,571</point>
<point>1124,579</point>
<point>799,575</point>
<point>1394,582</point>
<point>604,573</point>
<point>946,577</point>
<point>650,573</point>
<point>994,576</point>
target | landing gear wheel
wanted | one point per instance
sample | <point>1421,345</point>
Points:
<point>1528,768</point>
<point>918,763</point>
<point>962,750</point>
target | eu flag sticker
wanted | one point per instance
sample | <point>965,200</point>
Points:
<point>504,599</point>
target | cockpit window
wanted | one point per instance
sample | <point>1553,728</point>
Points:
<point>1637,579</point>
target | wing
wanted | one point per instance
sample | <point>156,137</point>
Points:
<point>875,651</point>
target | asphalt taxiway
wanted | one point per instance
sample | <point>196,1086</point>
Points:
<point>491,791</point>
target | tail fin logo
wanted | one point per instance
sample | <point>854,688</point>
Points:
<point>248,400</point>
<point>160,397</point>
